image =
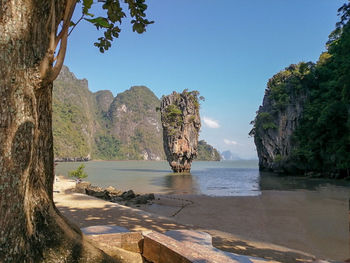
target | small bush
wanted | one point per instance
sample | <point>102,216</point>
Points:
<point>79,173</point>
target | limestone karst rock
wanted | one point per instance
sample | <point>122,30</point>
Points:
<point>277,120</point>
<point>181,124</point>
<point>89,125</point>
<point>206,152</point>
<point>100,126</point>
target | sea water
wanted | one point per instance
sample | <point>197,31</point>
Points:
<point>225,178</point>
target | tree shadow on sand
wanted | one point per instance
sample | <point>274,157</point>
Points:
<point>136,220</point>
<point>243,248</point>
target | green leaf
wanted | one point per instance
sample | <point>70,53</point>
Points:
<point>86,6</point>
<point>138,27</point>
<point>99,22</point>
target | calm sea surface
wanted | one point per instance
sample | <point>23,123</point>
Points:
<point>228,178</point>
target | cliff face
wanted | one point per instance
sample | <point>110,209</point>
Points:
<point>278,118</point>
<point>99,126</point>
<point>136,123</point>
<point>74,122</point>
<point>104,99</point>
<point>303,125</point>
<point>181,124</point>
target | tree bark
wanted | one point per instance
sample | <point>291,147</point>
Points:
<point>31,228</point>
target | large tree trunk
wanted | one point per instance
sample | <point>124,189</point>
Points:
<point>31,228</point>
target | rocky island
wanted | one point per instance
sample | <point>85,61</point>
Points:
<point>303,125</point>
<point>181,124</point>
<point>278,118</point>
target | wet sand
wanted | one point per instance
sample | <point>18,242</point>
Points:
<point>260,226</point>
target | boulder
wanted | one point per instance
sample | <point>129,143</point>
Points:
<point>128,195</point>
<point>81,187</point>
<point>143,199</point>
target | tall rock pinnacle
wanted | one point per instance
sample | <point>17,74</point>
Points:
<point>181,124</point>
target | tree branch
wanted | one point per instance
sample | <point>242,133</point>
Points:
<point>48,59</point>
<point>63,46</point>
<point>70,6</point>
<point>82,16</point>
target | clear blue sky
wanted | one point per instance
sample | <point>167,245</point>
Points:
<point>226,49</point>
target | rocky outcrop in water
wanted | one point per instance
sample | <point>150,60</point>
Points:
<point>181,124</point>
<point>277,120</point>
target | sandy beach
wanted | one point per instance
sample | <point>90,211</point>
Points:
<point>244,225</point>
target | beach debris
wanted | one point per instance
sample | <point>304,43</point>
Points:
<point>113,195</point>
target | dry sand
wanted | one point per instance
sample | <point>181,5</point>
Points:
<point>234,223</point>
<point>298,220</point>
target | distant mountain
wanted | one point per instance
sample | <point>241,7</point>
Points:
<point>136,123</point>
<point>101,126</point>
<point>207,152</point>
<point>229,156</point>
<point>74,116</point>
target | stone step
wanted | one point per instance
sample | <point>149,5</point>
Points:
<point>201,242</point>
<point>160,248</point>
<point>104,229</point>
<point>116,236</point>
<point>199,237</point>
<point>176,246</point>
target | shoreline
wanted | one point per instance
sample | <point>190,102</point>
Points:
<point>87,211</point>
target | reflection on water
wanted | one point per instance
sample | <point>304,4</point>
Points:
<point>239,178</point>
<point>270,181</point>
<point>228,181</point>
<point>235,178</point>
<point>183,183</point>
<point>213,182</point>
<point>335,189</point>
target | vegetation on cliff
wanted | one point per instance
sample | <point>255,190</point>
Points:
<point>73,116</point>
<point>303,125</point>
<point>101,126</point>
<point>136,123</point>
<point>207,152</point>
<point>323,136</point>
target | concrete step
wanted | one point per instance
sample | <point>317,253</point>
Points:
<point>176,246</point>
<point>201,242</point>
<point>160,248</point>
<point>104,229</point>
<point>199,237</point>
